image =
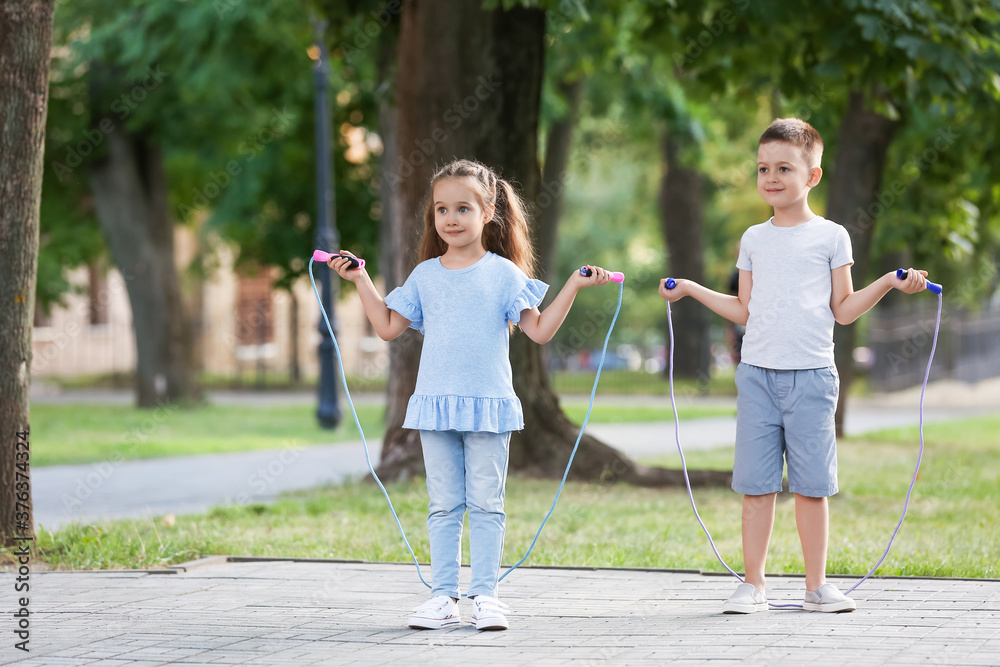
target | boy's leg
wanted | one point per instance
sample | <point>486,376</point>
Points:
<point>486,456</point>
<point>444,460</point>
<point>812,476</point>
<point>758,462</point>
<point>812,463</point>
<point>812,518</point>
<point>758,522</point>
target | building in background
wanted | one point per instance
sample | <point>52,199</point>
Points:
<point>246,330</point>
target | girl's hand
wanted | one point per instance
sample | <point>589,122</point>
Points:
<point>678,292</point>
<point>598,276</point>
<point>340,265</point>
<point>915,281</point>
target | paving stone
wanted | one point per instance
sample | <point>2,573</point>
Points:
<point>269,613</point>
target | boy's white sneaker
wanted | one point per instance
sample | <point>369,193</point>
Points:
<point>436,613</point>
<point>828,598</point>
<point>487,613</point>
<point>746,600</point>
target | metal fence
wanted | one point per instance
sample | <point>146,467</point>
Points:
<point>900,341</point>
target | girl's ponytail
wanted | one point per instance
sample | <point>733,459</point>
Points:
<point>509,233</point>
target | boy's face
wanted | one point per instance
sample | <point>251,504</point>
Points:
<point>784,178</point>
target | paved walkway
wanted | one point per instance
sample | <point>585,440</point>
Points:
<point>326,613</point>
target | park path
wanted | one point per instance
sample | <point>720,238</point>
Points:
<point>138,489</point>
<point>285,612</point>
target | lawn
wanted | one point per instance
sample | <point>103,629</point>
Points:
<point>65,434</point>
<point>615,381</point>
<point>950,529</point>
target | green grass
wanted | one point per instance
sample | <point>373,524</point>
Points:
<point>616,382</point>
<point>949,531</point>
<point>565,382</point>
<point>63,434</point>
<point>271,380</point>
<point>627,414</point>
<point>67,434</point>
<point>630,383</point>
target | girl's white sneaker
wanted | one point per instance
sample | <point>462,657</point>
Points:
<point>487,613</point>
<point>436,613</point>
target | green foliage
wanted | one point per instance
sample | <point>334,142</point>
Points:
<point>939,201</point>
<point>230,83</point>
<point>226,90</point>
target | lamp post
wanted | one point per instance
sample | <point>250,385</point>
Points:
<point>328,409</point>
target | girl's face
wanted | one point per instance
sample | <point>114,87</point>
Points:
<point>459,218</point>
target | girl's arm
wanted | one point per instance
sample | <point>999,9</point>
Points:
<point>388,324</point>
<point>848,305</point>
<point>733,308</point>
<point>542,326</point>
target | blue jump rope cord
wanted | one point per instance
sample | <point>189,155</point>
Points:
<point>364,441</point>
<point>909,492</point>
<point>593,391</point>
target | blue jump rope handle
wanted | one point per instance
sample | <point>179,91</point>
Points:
<point>934,287</point>
<point>671,283</point>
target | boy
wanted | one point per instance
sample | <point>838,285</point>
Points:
<point>794,282</point>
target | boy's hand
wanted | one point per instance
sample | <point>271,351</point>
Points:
<point>679,291</point>
<point>598,276</point>
<point>915,281</point>
<point>340,265</point>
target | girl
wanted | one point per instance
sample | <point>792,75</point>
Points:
<point>472,285</point>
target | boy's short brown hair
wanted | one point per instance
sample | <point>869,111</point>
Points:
<point>798,133</point>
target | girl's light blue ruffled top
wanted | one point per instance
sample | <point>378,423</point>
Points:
<point>464,382</point>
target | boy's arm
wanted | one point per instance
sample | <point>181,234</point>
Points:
<point>388,324</point>
<point>733,308</point>
<point>541,326</point>
<point>848,305</point>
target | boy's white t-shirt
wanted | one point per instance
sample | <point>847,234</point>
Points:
<point>791,322</point>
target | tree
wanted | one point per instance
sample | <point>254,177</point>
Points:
<point>881,59</point>
<point>154,128</point>
<point>25,42</point>
<point>469,84</point>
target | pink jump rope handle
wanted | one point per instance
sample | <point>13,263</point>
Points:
<point>320,256</point>
<point>616,276</point>
<point>934,287</point>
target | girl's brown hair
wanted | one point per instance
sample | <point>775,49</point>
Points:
<point>507,234</point>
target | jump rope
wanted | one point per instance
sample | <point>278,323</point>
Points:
<point>355,263</point>
<point>618,277</point>
<point>901,274</point>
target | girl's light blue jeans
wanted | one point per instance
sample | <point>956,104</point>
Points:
<point>465,469</point>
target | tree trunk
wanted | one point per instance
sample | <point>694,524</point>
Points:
<point>469,85</point>
<point>25,42</point>
<point>558,147</point>
<point>681,216</point>
<point>401,229</point>
<point>130,194</point>
<point>863,143</point>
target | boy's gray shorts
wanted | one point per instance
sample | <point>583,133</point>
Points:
<point>790,414</point>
